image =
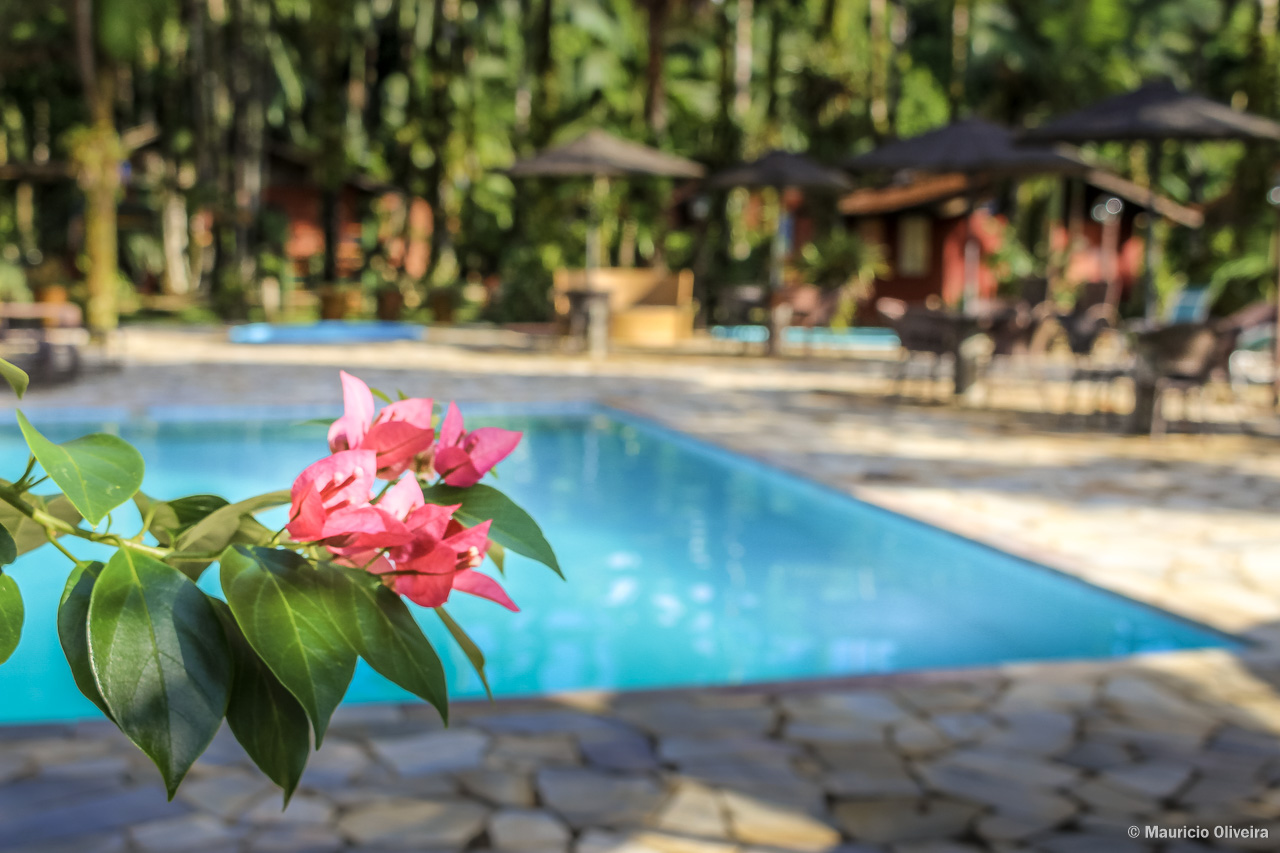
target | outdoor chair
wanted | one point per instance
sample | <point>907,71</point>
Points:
<point>931,332</point>
<point>1183,358</point>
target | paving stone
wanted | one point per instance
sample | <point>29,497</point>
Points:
<point>100,767</point>
<point>1009,796</point>
<point>839,730</point>
<point>304,808</point>
<point>1035,732</point>
<point>31,813</point>
<point>1028,770</point>
<point>296,839</point>
<point>936,847</point>
<point>999,826</point>
<point>588,798</point>
<point>646,841</point>
<point>964,726</point>
<point>336,764</point>
<point>1104,797</point>
<point>544,723</point>
<point>528,752</point>
<point>618,749</point>
<point>524,829</point>
<point>684,718</point>
<point>934,698</point>
<point>500,787</point>
<point>695,810</point>
<point>94,843</point>
<point>186,833</point>
<point>871,781</point>
<point>1039,694</point>
<point>12,766</point>
<point>1080,842</point>
<point>882,821</point>
<point>915,739</point>
<point>1153,779</point>
<point>370,791</point>
<point>681,749</point>
<point>416,823</point>
<point>436,752</point>
<point>227,795</point>
<point>1097,755</point>
<point>867,705</point>
<point>753,821</point>
<point>766,781</point>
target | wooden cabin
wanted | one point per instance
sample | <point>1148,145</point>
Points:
<point>924,227</point>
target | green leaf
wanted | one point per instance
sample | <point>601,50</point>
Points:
<point>499,556</point>
<point>15,376</point>
<point>282,604</point>
<point>513,528</point>
<point>468,646</point>
<point>216,530</point>
<point>11,616</point>
<point>27,535</point>
<point>171,518</point>
<point>97,473</point>
<point>379,626</point>
<point>262,714</point>
<point>8,548</point>
<point>381,395</point>
<point>160,659</point>
<point>73,630</point>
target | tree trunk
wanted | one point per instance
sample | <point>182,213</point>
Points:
<point>98,154</point>
<point>960,13</point>
<point>655,98</point>
<point>773,71</point>
<point>742,59</point>
<point>878,32</point>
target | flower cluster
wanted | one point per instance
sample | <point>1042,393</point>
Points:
<point>421,551</point>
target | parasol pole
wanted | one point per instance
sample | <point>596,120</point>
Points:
<point>776,253</point>
<point>596,308</point>
<point>1149,243</point>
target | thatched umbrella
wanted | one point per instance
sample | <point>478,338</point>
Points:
<point>600,155</point>
<point>1154,113</point>
<point>971,147</point>
<point>780,170</point>
<point>968,147</point>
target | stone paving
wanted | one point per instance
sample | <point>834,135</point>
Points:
<point>1056,758</point>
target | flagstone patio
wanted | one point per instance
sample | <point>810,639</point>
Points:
<point>1059,758</point>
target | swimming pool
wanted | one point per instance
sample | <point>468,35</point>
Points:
<point>326,332</point>
<point>686,564</point>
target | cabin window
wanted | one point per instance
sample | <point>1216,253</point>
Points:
<point>914,245</point>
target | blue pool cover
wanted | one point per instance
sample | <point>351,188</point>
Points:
<point>326,332</point>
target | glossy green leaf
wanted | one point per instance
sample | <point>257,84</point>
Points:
<point>169,519</point>
<point>468,646</point>
<point>27,535</point>
<point>160,659</point>
<point>8,548</point>
<point>217,530</point>
<point>15,376</point>
<point>382,395</point>
<point>73,630</point>
<point>97,473</point>
<point>379,626</point>
<point>262,714</point>
<point>512,528</point>
<point>282,603</point>
<point>499,556</point>
<point>11,616</point>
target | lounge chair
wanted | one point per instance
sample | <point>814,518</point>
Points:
<point>1182,358</point>
<point>44,339</point>
<point>928,331</point>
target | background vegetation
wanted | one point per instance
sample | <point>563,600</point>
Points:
<point>435,97</point>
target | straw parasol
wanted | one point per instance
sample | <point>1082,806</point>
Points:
<point>600,155</point>
<point>1154,113</point>
<point>968,147</point>
<point>780,170</point>
<point>972,147</point>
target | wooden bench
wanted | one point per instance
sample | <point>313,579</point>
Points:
<point>647,307</point>
<point>43,338</point>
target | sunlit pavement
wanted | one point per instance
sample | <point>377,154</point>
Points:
<point>1054,757</point>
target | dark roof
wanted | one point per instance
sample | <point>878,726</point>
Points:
<point>781,169</point>
<point>934,190</point>
<point>597,153</point>
<point>971,146</point>
<point>1155,111</point>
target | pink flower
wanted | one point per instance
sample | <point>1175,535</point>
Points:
<point>400,435</point>
<point>462,458</point>
<point>325,488</point>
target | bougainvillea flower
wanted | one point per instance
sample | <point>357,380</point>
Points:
<point>462,457</point>
<point>401,434</point>
<point>427,570</point>
<point>335,483</point>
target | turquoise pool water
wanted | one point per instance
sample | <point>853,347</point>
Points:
<point>686,565</point>
<point>326,332</point>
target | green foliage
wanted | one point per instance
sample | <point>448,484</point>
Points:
<point>160,660</point>
<point>282,604</point>
<point>513,528</point>
<point>97,473</point>
<point>15,376</point>
<point>73,630</point>
<point>11,616</point>
<point>468,646</point>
